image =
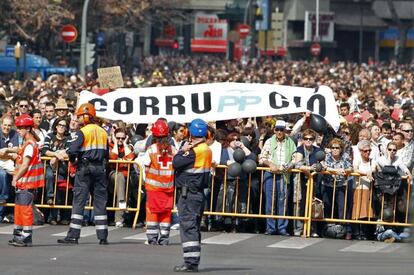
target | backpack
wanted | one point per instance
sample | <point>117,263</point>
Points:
<point>388,180</point>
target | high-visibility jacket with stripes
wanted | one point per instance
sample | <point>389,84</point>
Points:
<point>193,167</point>
<point>159,175</point>
<point>34,176</point>
<point>90,143</point>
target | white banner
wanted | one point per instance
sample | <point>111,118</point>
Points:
<point>212,102</point>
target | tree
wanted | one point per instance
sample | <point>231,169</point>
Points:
<point>38,22</point>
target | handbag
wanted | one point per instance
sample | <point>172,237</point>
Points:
<point>317,209</point>
<point>388,180</point>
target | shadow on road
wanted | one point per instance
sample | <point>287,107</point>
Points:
<point>217,269</point>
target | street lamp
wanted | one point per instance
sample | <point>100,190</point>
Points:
<point>361,26</point>
<point>82,60</point>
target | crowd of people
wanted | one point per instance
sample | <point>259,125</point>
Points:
<point>376,107</point>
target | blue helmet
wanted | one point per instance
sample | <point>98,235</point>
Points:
<point>198,128</point>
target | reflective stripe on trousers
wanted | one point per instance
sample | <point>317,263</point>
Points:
<point>190,211</point>
<point>87,179</point>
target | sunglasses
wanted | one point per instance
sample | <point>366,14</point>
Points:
<point>120,138</point>
<point>309,138</point>
<point>279,130</point>
<point>365,151</point>
<point>407,131</point>
<point>392,150</point>
<point>336,148</point>
<point>62,125</point>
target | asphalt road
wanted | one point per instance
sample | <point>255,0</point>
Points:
<point>222,253</point>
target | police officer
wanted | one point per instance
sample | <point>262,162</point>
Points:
<point>192,165</point>
<point>89,149</point>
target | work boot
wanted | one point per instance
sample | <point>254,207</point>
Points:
<point>103,242</point>
<point>21,241</point>
<point>68,240</point>
<point>17,233</point>
<point>186,268</point>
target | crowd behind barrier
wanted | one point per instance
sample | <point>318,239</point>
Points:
<point>374,142</point>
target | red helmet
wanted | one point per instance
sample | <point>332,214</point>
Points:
<point>160,128</point>
<point>86,109</point>
<point>24,121</point>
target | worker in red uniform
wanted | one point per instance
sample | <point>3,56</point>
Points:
<point>192,165</point>
<point>159,184</point>
<point>28,177</point>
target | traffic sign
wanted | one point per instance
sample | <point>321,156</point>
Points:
<point>315,49</point>
<point>9,51</point>
<point>244,30</point>
<point>69,33</point>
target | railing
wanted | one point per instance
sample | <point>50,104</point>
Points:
<point>68,189</point>
<point>239,202</point>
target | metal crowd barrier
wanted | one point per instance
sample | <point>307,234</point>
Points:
<point>68,190</point>
<point>233,210</point>
<point>373,218</point>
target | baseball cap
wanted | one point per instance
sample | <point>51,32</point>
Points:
<point>280,124</point>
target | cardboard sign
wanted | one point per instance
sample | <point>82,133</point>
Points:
<point>110,77</point>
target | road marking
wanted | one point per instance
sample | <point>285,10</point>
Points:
<point>85,232</point>
<point>393,247</point>
<point>143,236</point>
<point>227,238</point>
<point>296,243</point>
<point>9,228</point>
<point>366,247</point>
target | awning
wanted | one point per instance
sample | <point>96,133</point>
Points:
<point>348,17</point>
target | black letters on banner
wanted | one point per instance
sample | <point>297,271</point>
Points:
<point>169,104</point>
<point>321,101</point>
<point>196,105</point>
<point>101,106</point>
<point>274,104</point>
<point>129,105</point>
<point>144,105</point>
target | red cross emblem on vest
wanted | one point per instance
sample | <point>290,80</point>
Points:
<point>165,161</point>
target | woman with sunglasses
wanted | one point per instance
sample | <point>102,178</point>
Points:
<point>120,149</point>
<point>392,159</point>
<point>362,209</point>
<point>55,147</point>
<point>305,159</point>
<point>387,202</point>
<point>335,185</point>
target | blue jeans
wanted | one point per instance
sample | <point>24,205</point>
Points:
<point>5,182</point>
<point>50,182</point>
<point>279,196</point>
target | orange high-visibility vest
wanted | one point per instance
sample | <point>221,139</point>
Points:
<point>159,175</point>
<point>34,176</point>
<point>203,159</point>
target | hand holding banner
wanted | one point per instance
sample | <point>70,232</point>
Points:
<point>212,102</point>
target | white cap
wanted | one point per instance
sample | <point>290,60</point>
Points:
<point>280,124</point>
